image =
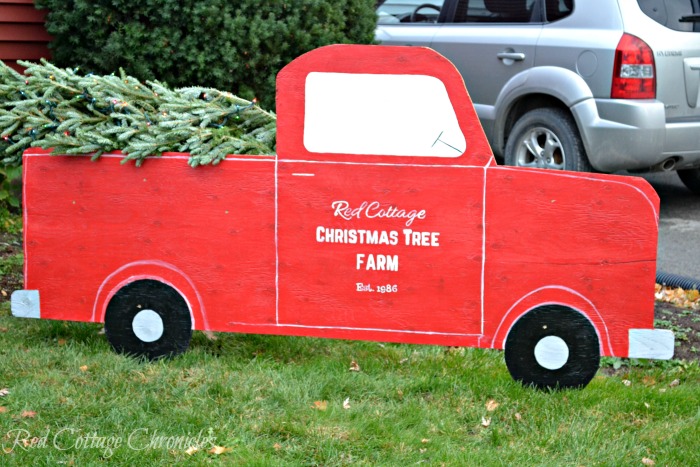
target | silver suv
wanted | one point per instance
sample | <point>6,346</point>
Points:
<point>603,85</point>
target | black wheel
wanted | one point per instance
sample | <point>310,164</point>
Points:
<point>546,138</point>
<point>691,179</point>
<point>148,318</point>
<point>553,347</point>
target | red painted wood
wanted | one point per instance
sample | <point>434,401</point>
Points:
<point>23,51</point>
<point>20,13</point>
<point>433,250</point>
<point>23,32</point>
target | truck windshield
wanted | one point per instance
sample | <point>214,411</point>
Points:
<point>380,114</point>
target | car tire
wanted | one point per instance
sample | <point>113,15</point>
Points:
<point>691,179</point>
<point>546,138</point>
<point>148,318</point>
<point>553,347</point>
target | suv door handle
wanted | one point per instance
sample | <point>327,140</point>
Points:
<point>515,56</point>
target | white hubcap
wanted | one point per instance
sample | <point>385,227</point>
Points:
<point>147,325</point>
<point>551,352</point>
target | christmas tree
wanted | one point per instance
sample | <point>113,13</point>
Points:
<point>72,113</point>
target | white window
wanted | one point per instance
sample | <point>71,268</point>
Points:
<point>380,114</point>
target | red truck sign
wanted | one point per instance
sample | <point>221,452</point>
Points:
<point>383,216</point>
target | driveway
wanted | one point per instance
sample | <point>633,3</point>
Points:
<point>679,226</point>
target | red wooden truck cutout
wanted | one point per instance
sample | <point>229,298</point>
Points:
<point>382,217</point>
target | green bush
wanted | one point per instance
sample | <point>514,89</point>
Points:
<point>233,45</point>
<point>10,197</point>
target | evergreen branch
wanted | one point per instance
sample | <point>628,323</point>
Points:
<point>57,108</point>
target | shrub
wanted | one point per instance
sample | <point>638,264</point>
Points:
<point>10,197</point>
<point>236,46</point>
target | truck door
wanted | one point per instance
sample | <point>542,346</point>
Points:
<point>380,246</point>
<point>379,222</point>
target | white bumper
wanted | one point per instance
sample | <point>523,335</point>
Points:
<point>25,304</point>
<point>651,343</point>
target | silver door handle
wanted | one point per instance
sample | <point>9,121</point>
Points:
<point>517,56</point>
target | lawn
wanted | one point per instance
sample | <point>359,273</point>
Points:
<point>67,399</point>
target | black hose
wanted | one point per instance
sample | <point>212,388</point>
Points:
<point>674,280</point>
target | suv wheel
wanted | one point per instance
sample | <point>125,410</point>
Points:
<point>691,179</point>
<point>546,138</point>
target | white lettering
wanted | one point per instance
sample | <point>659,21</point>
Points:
<point>377,262</point>
<point>374,209</point>
<point>415,238</point>
<point>352,236</point>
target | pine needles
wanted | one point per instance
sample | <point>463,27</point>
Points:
<point>51,107</point>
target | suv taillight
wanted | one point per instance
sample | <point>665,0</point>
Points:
<point>634,74</point>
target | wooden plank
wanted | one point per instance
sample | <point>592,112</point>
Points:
<point>10,13</point>
<point>23,51</point>
<point>24,32</point>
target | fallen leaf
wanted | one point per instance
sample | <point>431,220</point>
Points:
<point>192,450</point>
<point>3,329</point>
<point>3,409</point>
<point>675,383</point>
<point>320,405</point>
<point>4,294</point>
<point>518,417</point>
<point>646,404</point>
<point>678,296</point>
<point>354,366</point>
<point>346,403</point>
<point>28,414</point>
<point>422,450</point>
<point>485,422</point>
<point>425,441</point>
<point>219,450</point>
<point>84,368</point>
<point>627,382</point>
<point>4,392</point>
<point>277,446</point>
<point>647,461</point>
<point>492,405</point>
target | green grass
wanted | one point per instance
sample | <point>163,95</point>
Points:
<point>257,395</point>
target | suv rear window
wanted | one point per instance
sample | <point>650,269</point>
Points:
<point>679,15</point>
